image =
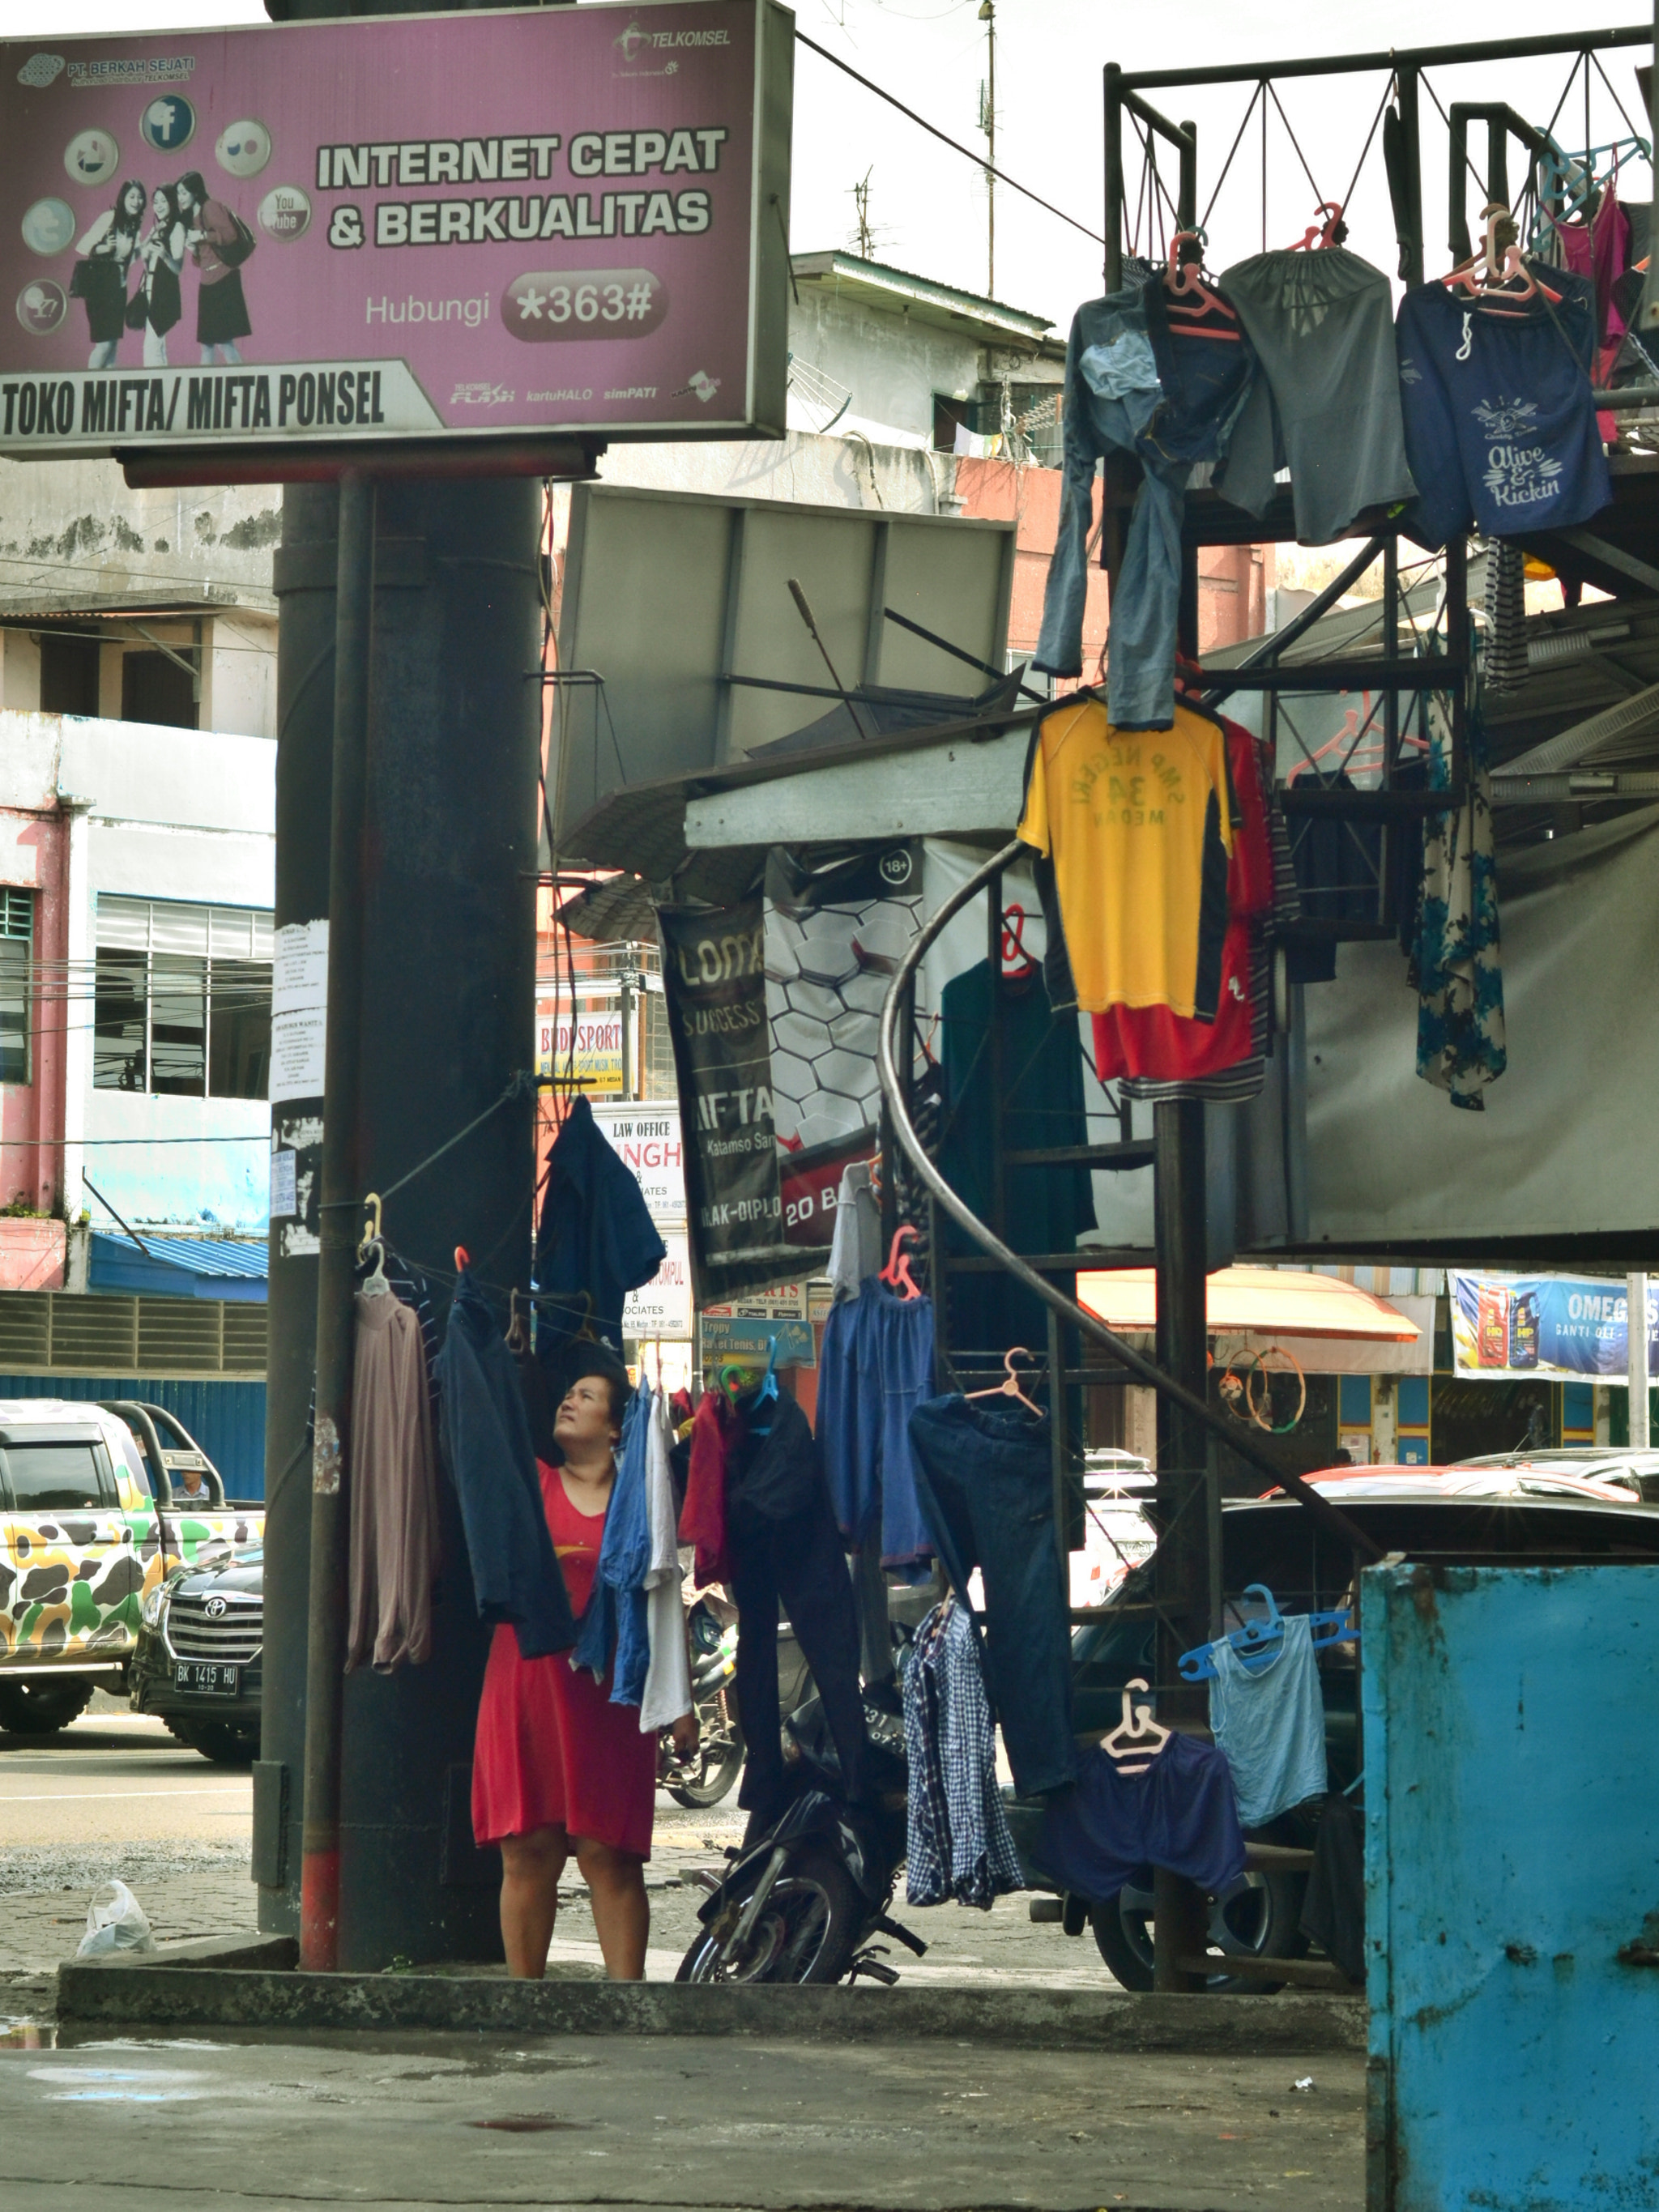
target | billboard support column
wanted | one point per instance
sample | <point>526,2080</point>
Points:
<point>330,1525</point>
<point>1636,1338</point>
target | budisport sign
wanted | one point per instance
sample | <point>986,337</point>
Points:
<point>552,220</point>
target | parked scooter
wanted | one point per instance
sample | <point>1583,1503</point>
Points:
<point>801,1902</point>
<point>712,1770</point>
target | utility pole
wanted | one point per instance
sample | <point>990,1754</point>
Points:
<point>1636,1339</point>
<point>987,124</point>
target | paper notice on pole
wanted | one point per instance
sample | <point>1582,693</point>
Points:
<point>284,1190</point>
<point>299,1010</point>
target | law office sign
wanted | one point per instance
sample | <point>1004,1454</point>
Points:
<point>537,221</point>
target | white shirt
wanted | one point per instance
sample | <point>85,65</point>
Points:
<point>668,1676</point>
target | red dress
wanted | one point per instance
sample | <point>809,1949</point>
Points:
<point>552,1751</point>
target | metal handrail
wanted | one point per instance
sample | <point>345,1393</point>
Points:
<point>1068,1310</point>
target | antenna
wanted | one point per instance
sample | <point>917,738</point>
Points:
<point>987,124</point>
<point>861,203</point>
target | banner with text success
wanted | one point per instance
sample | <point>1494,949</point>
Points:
<point>1564,1326</point>
<point>715,978</point>
<point>541,220</point>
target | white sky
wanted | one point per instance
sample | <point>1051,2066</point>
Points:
<point>927,204</point>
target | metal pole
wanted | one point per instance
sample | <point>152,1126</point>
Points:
<point>320,1879</point>
<point>1636,1297</point>
<point>1112,268</point>
<point>1182,1563</point>
<point>1406,87</point>
<point>1648,313</point>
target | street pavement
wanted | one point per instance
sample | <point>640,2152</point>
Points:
<point>114,1796</point>
<point>385,2123</point>
<point>274,2121</point>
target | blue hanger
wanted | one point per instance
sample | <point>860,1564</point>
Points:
<point>768,1389</point>
<point>1259,1640</point>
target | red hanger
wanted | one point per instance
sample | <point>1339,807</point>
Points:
<point>896,1273</point>
<point>1317,236</point>
<point>1013,944</point>
<point>461,1260</point>
<point>1190,294</point>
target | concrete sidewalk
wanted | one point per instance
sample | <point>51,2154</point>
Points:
<point>273,2120</point>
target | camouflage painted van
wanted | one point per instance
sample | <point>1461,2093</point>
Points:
<point>81,1541</point>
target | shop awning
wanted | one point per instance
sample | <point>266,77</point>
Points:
<point>1329,1326</point>
<point>1263,1301</point>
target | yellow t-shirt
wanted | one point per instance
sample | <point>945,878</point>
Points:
<point>1138,824</point>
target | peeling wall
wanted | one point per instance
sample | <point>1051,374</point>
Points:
<point>72,530</point>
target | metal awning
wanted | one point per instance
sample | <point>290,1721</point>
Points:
<point>180,1266</point>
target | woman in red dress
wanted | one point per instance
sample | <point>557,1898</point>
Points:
<point>556,1766</point>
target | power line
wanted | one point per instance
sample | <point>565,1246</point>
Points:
<point>966,152</point>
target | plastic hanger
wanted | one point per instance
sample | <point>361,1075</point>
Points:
<point>462,1260</point>
<point>1137,1735</point>
<point>1498,272</point>
<point>515,1330</point>
<point>372,1246</point>
<point>1319,237</point>
<point>768,1389</point>
<point>1189,293</point>
<point>896,1273</point>
<point>1256,1638</point>
<point>1013,946</point>
<point>1009,1386</point>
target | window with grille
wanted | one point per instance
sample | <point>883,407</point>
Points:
<point>183,1000</point>
<point>17,954</point>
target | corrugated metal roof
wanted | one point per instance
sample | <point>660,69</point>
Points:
<point>190,1266</point>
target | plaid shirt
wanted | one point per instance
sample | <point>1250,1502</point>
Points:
<point>959,1844</point>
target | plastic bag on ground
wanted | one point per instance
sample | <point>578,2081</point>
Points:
<point>117,1922</point>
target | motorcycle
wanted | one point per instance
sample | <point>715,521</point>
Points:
<point>801,1901</point>
<point>712,1770</point>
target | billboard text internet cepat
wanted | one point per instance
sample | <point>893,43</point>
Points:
<point>559,221</point>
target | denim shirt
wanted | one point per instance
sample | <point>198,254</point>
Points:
<point>616,1615</point>
<point>1130,389</point>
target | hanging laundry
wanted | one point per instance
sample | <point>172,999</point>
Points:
<point>784,1546</point>
<point>667,1692</point>
<point>1269,1719</point>
<point>1499,423</point>
<point>487,1449</point>
<point>1037,1088</point>
<point>1138,827</point>
<point>1166,1056</point>
<point>1117,401</point>
<point>1333,1910</point>
<point>1599,249</point>
<point>716,1430</point>
<point>1503,659</point>
<point>394,1490</point>
<point>595,1242</point>
<point>1328,400</point>
<point>613,1634</point>
<point>875,1368</point>
<point>855,1247</point>
<point>959,1843</point>
<point>985,1482</point>
<point>1178,1812</point>
<point>1457,968</point>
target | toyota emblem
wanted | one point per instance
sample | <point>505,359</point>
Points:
<point>215,1606</point>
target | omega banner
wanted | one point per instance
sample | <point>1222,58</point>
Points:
<point>552,220</point>
<point>1569,1325</point>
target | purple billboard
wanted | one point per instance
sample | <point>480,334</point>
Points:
<point>560,221</point>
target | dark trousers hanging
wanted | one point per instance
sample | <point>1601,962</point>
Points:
<point>800,1562</point>
<point>986,1490</point>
